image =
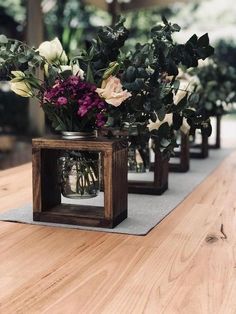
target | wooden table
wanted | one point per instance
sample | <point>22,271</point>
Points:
<point>186,264</point>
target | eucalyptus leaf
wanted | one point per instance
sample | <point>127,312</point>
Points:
<point>3,39</point>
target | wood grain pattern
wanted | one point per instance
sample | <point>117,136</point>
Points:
<point>184,265</point>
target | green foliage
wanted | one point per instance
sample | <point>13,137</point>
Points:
<point>225,51</point>
<point>144,74</point>
<point>104,50</point>
<point>15,55</point>
<point>217,88</point>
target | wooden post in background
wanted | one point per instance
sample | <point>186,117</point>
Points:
<point>34,38</point>
<point>114,10</point>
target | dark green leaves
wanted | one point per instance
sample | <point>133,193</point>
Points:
<point>203,41</point>
<point>177,121</point>
<point>130,74</point>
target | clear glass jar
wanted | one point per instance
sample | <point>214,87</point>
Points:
<point>79,171</point>
<point>138,156</point>
<point>79,174</point>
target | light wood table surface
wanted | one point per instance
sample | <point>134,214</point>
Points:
<point>186,264</point>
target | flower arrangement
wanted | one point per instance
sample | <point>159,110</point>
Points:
<point>75,95</point>
<point>104,86</point>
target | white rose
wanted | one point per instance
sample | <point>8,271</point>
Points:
<point>20,86</point>
<point>74,68</point>
<point>53,51</point>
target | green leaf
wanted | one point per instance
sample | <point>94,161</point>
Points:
<point>177,121</point>
<point>89,74</point>
<point>207,129</point>
<point>176,85</point>
<point>163,130</point>
<point>164,20</point>
<point>22,59</point>
<point>3,39</point>
<point>165,142</point>
<point>203,41</point>
<point>161,114</point>
<point>193,99</point>
<point>176,27</point>
<point>193,40</point>
<point>153,117</point>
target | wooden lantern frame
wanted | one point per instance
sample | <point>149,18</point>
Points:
<point>47,204</point>
<point>159,185</point>
<point>183,155</point>
<point>160,167</point>
<point>203,148</point>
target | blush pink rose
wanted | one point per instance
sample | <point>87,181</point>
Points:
<point>112,91</point>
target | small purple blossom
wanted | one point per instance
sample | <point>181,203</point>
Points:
<point>82,111</point>
<point>62,101</point>
<point>101,120</point>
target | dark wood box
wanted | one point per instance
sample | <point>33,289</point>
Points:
<point>47,204</point>
<point>160,167</point>
<point>200,151</point>
<point>183,155</point>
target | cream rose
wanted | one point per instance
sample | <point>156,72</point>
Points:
<point>112,91</point>
<point>53,51</point>
<point>20,86</point>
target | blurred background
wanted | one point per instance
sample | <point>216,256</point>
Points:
<point>75,23</point>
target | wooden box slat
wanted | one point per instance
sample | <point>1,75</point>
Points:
<point>203,148</point>
<point>183,155</point>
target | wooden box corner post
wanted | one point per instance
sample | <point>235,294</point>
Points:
<point>159,184</point>
<point>217,143</point>
<point>183,155</point>
<point>200,151</point>
<point>47,206</point>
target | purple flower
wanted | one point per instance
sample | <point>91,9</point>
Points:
<point>101,120</point>
<point>62,101</point>
<point>87,108</point>
<point>82,111</point>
